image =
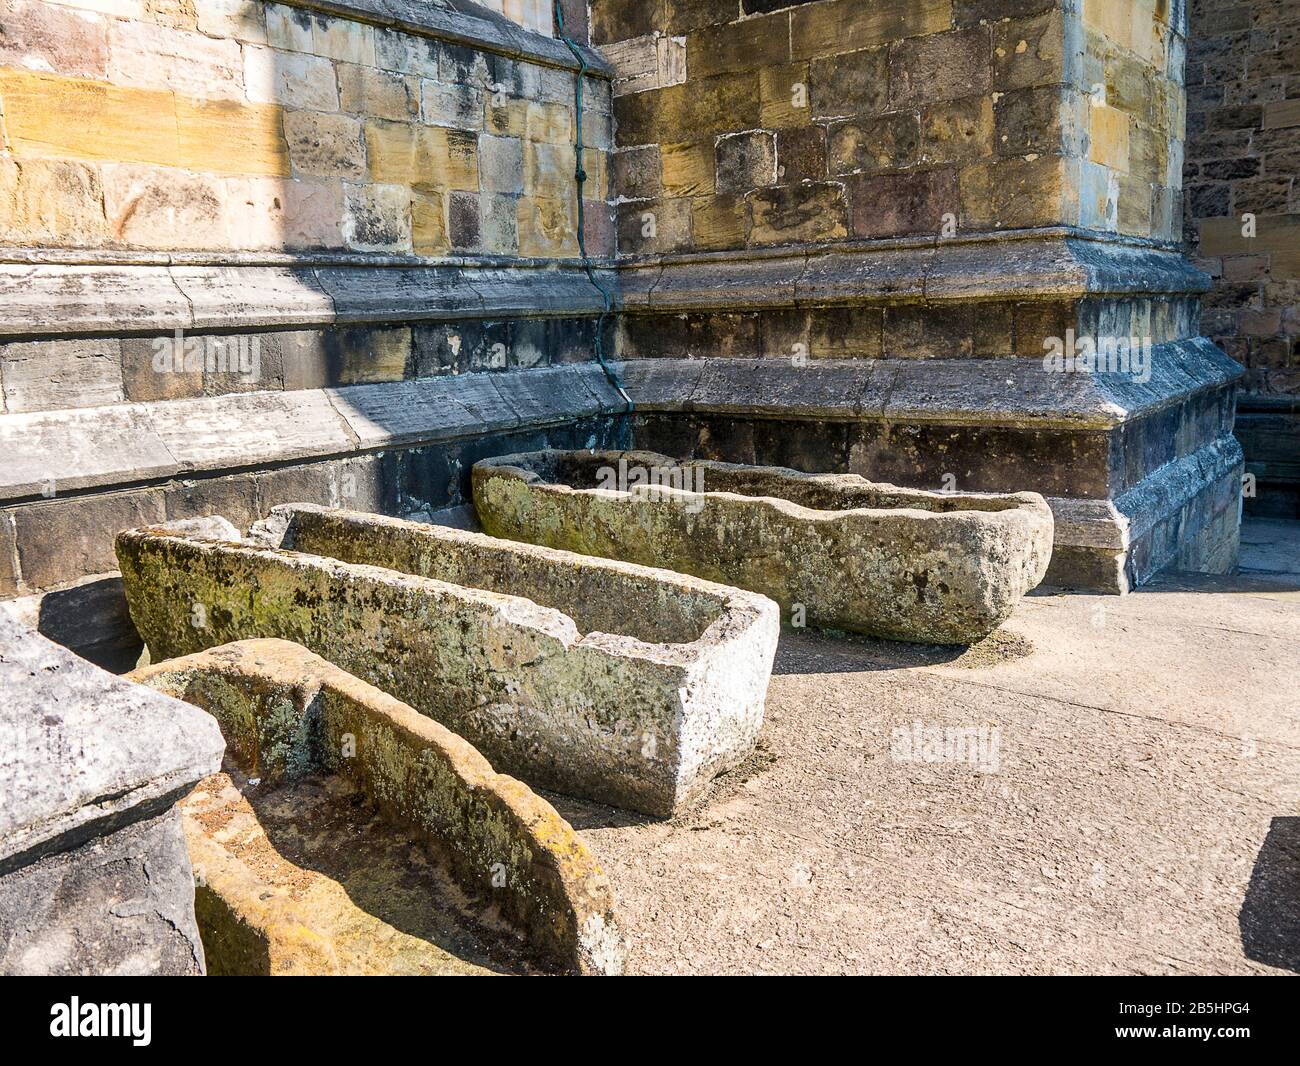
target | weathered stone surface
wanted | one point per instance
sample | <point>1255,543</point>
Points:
<point>83,753</point>
<point>616,682</point>
<point>120,905</point>
<point>834,550</point>
<point>289,716</point>
<point>53,451</point>
<point>745,161</point>
<point>790,213</point>
<point>48,375</point>
<point>325,144</point>
<point>47,201</point>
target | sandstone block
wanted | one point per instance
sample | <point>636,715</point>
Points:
<point>546,226</point>
<point>889,142</point>
<point>940,66</point>
<point>378,93</point>
<point>288,28</point>
<point>687,169</point>
<point>51,202</point>
<point>63,539</point>
<point>850,83</point>
<point>654,226</point>
<point>847,25</point>
<point>343,39</point>
<point>790,213</point>
<point>429,225</point>
<point>328,145</point>
<point>464,221</point>
<point>958,131</point>
<point>1014,192</point>
<point>745,161</point>
<point>243,20</point>
<point>151,56</point>
<point>739,46</point>
<point>457,106</point>
<point>1031,51</point>
<point>501,164</point>
<point>225,137</point>
<point>57,39</point>
<point>52,374</point>
<point>1108,137</point>
<point>426,158</point>
<point>636,172</point>
<point>718,222</point>
<point>291,79</point>
<point>48,116</point>
<point>158,207</point>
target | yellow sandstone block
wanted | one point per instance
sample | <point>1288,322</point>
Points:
<point>228,137</point>
<point>426,158</point>
<point>428,226</point>
<point>52,117</point>
<point>1108,129</point>
<point>547,227</point>
<point>688,169</point>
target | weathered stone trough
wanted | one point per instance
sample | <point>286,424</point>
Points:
<point>341,819</point>
<point>600,679</point>
<point>834,550</point>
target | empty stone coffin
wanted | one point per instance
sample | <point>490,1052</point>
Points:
<point>600,679</point>
<point>347,834</point>
<point>834,550</point>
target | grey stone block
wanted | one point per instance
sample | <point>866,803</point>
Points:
<point>118,905</point>
<point>53,374</point>
<point>82,752</point>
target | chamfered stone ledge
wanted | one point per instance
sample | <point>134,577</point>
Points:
<point>996,265</point>
<point>463,23</point>
<point>995,392</point>
<point>103,294</point>
<point>1118,523</point>
<point>54,452</point>
<point>84,753</point>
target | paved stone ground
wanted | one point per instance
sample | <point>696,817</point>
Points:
<point>1144,816</point>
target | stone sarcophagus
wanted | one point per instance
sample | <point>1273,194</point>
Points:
<point>835,550</point>
<point>328,842</point>
<point>600,679</point>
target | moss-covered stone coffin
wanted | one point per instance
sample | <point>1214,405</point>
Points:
<point>343,823</point>
<point>834,550</point>
<point>600,679</point>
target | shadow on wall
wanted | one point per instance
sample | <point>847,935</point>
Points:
<point>1270,913</point>
<point>98,607</point>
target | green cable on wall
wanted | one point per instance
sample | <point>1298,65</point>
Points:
<point>607,299</point>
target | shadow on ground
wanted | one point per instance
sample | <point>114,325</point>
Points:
<point>831,652</point>
<point>1270,913</point>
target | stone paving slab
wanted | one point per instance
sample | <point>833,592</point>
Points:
<point>1131,832</point>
